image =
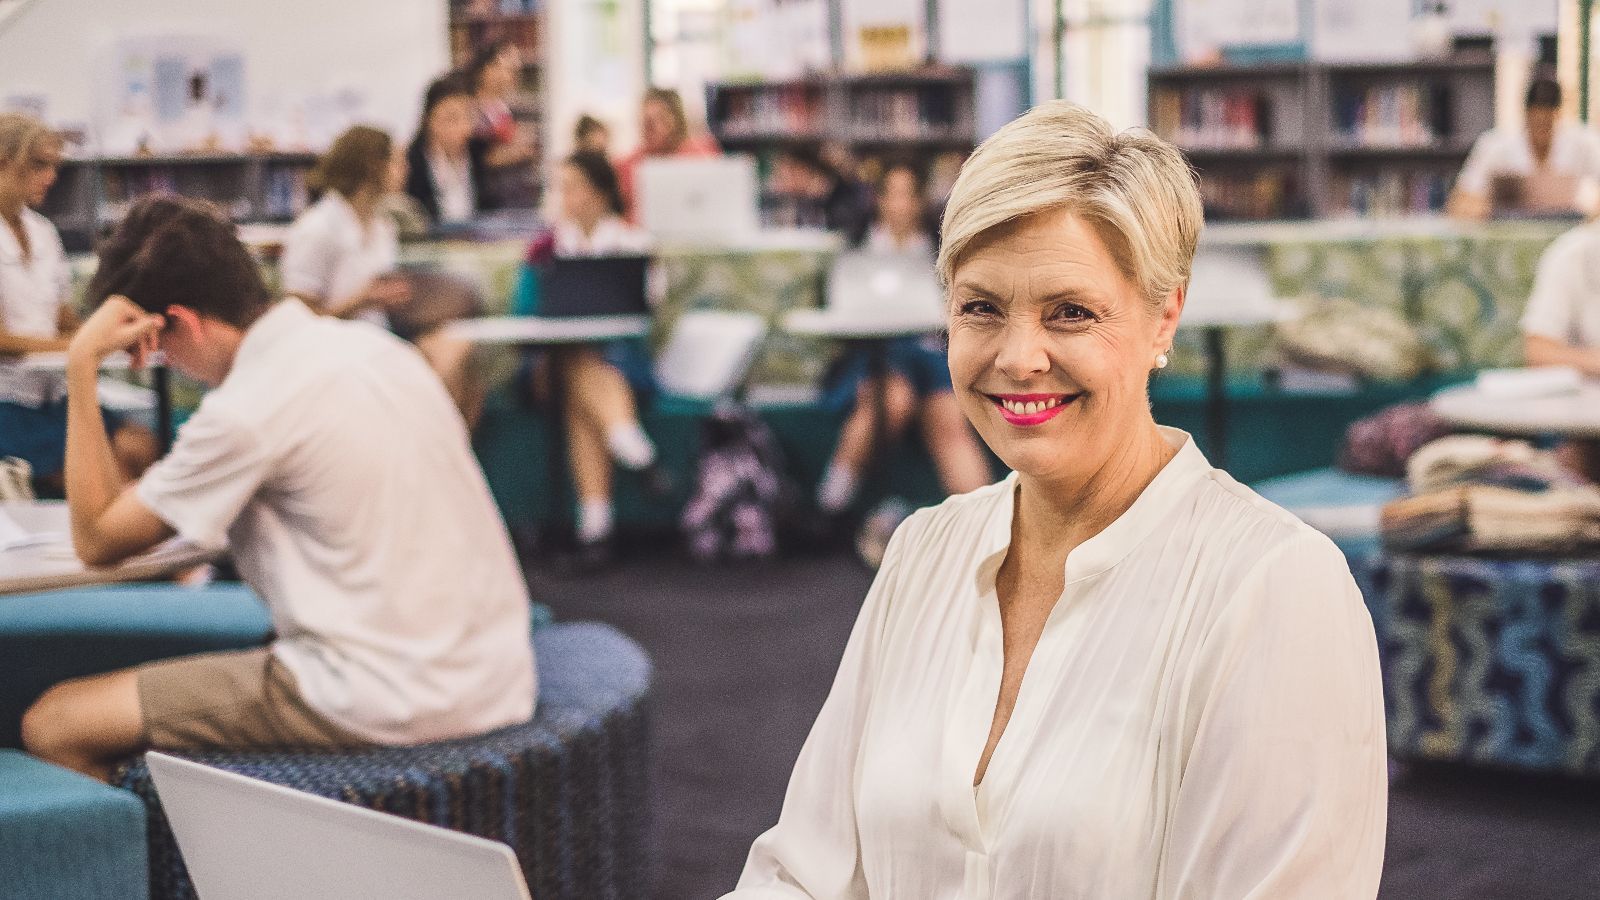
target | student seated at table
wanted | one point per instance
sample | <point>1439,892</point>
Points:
<point>1561,324</point>
<point>601,383</point>
<point>328,459</point>
<point>340,255</point>
<point>1536,160</point>
<point>918,385</point>
<point>447,164</point>
<point>35,316</point>
<point>809,192</point>
<point>493,75</point>
<point>663,132</point>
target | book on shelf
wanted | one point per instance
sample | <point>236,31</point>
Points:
<point>1394,115</point>
<point>787,110</point>
<point>1396,192</point>
<point>1209,118</point>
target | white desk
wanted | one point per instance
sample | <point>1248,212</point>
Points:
<point>535,331</point>
<point>52,565</point>
<point>1575,414</point>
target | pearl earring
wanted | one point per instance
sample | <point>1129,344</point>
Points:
<point>1161,360</point>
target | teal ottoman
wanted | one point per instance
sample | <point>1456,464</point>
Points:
<point>64,835</point>
<point>51,637</point>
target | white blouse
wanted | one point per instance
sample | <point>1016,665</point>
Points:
<point>329,256</point>
<point>1202,717</point>
<point>611,235</point>
<point>32,293</point>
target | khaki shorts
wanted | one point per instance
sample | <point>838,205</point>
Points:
<point>236,700</point>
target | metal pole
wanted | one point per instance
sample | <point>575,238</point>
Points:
<point>1059,23</point>
<point>1585,49</point>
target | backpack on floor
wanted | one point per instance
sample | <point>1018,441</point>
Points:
<point>740,493</point>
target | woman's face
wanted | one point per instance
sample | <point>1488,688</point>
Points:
<point>580,201</point>
<point>450,124</point>
<point>595,140</point>
<point>1051,347</point>
<point>899,202</point>
<point>34,173</point>
<point>500,77</point>
<point>657,127</point>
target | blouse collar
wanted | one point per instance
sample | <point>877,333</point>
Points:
<point>1113,544</point>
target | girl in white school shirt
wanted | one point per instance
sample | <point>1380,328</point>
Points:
<point>601,382</point>
<point>340,255</point>
<point>34,315</point>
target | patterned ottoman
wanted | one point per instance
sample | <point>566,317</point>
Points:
<point>1491,661</point>
<point>568,791</point>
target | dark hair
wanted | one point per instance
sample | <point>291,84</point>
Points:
<point>598,172</point>
<point>473,71</point>
<point>1544,92</point>
<point>357,158</point>
<point>176,250</point>
<point>443,88</point>
<point>587,124</point>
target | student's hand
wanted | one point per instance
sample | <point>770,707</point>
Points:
<point>389,291</point>
<point>118,324</point>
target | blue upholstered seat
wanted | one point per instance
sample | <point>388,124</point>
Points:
<point>567,791</point>
<point>64,835</point>
<point>48,638</point>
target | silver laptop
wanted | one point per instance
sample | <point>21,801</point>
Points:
<point>699,199</point>
<point>244,839</point>
<point>890,286</point>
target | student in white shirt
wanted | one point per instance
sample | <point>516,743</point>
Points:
<point>919,377</point>
<point>327,458</point>
<point>602,383</point>
<point>1561,324</point>
<point>448,164</point>
<point>340,256</point>
<point>1544,146</point>
<point>1202,712</point>
<point>35,316</point>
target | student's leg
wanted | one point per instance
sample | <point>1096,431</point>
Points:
<point>954,447</point>
<point>87,724</point>
<point>451,359</point>
<point>598,392</point>
<point>136,449</point>
<point>843,475</point>
<point>591,476</point>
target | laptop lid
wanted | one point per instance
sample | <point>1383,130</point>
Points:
<point>594,286</point>
<point>890,286</point>
<point>699,199</point>
<point>244,839</point>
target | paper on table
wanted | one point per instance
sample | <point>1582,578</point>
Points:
<point>1542,381</point>
<point>11,534</point>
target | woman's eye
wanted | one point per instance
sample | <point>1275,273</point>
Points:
<point>978,308</point>
<point>1071,312</point>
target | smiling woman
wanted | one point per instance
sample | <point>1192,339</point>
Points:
<point>1116,673</point>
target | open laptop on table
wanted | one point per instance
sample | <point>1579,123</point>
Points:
<point>594,286</point>
<point>708,199</point>
<point>244,839</point>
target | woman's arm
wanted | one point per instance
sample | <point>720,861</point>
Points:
<point>16,344</point>
<point>1283,787</point>
<point>814,850</point>
<point>1538,350</point>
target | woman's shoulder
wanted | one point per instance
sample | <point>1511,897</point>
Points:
<point>959,518</point>
<point>1232,514</point>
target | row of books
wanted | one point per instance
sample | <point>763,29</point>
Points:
<point>789,110</point>
<point>1213,118</point>
<point>282,193</point>
<point>524,33</point>
<point>1395,193</point>
<point>1262,195</point>
<point>489,8</point>
<point>1396,115</point>
<point>911,110</point>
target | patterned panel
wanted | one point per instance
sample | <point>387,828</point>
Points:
<point>1491,661</point>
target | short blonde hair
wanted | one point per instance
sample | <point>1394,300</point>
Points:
<point>1135,189</point>
<point>21,135</point>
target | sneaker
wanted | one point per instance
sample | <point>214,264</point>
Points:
<point>872,541</point>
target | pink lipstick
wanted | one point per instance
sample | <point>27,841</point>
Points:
<point>1029,410</point>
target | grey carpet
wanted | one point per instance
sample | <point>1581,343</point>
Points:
<point>744,657</point>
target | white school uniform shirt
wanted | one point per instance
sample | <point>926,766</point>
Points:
<point>334,465</point>
<point>329,254</point>
<point>611,235</point>
<point>1202,717</point>
<point>1565,303</point>
<point>457,196</point>
<point>32,293</point>
<point>1574,150</point>
<point>880,240</point>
